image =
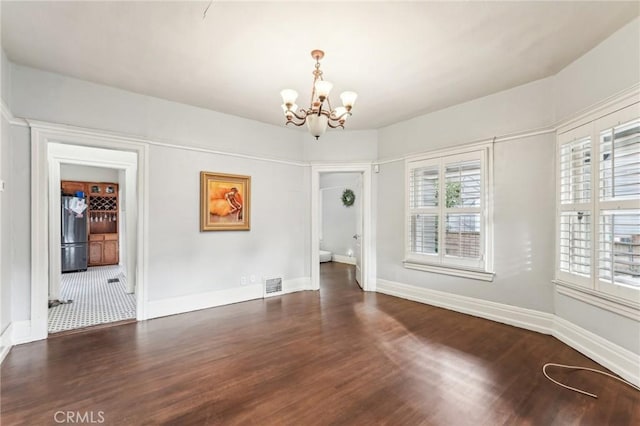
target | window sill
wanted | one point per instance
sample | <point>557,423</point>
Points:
<point>475,274</point>
<point>601,300</point>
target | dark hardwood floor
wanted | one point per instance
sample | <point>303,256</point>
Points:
<point>338,356</point>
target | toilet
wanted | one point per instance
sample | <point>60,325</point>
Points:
<point>325,256</point>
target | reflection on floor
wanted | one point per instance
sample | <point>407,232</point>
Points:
<point>95,300</point>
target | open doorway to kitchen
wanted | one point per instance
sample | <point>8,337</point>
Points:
<point>93,286</point>
<point>52,146</point>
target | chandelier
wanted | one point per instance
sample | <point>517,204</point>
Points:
<point>320,114</point>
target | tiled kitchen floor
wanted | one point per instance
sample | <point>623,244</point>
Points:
<point>95,300</point>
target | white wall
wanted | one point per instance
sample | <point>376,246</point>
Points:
<point>339,223</point>
<point>5,255</point>
<point>55,98</point>
<point>523,233</point>
<point>79,173</point>
<point>522,108</point>
<point>610,67</point>
<point>19,186</point>
<point>341,145</point>
<point>182,260</point>
<point>5,226</point>
<point>5,79</point>
<point>524,183</point>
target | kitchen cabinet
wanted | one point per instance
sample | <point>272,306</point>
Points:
<point>103,249</point>
<point>71,188</point>
<point>103,218</point>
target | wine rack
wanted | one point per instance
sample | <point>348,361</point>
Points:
<point>103,203</point>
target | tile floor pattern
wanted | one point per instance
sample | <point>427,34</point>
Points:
<point>95,301</point>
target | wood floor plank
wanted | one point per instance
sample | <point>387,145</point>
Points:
<point>338,356</point>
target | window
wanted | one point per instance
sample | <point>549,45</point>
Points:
<point>599,206</point>
<point>447,205</point>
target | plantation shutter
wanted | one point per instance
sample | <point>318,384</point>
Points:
<point>599,205</point>
<point>619,205</point>
<point>463,192</point>
<point>423,206</point>
<point>575,196</point>
<point>446,220</point>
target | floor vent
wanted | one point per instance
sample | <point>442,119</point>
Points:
<point>272,287</point>
<point>113,280</point>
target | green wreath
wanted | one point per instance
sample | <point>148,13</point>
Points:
<point>348,197</point>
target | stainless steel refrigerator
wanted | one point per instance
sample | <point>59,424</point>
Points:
<point>74,237</point>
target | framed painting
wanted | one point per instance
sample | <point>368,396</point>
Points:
<point>225,202</point>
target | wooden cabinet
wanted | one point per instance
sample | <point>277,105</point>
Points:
<point>103,249</point>
<point>110,252</point>
<point>71,188</point>
<point>103,218</point>
<point>95,252</point>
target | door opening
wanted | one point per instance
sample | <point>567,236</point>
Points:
<point>51,146</point>
<point>340,217</point>
<point>341,228</point>
<point>93,288</point>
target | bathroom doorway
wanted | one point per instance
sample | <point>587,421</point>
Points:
<point>340,214</point>
<point>349,241</point>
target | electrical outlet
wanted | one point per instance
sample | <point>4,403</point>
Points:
<point>243,280</point>
<point>252,279</point>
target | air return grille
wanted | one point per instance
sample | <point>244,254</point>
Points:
<point>272,287</point>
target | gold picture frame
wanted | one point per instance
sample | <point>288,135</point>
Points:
<point>225,202</point>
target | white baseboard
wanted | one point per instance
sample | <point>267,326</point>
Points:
<point>614,357</point>
<point>21,332</point>
<point>6,342</point>
<point>296,284</point>
<point>344,259</point>
<point>194,302</point>
<point>17,333</point>
<point>529,319</point>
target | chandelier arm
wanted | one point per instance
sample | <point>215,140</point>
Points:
<point>301,116</point>
<point>336,126</point>
<point>341,116</point>
<point>296,124</point>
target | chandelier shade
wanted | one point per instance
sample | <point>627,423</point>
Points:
<point>320,114</point>
<point>317,124</point>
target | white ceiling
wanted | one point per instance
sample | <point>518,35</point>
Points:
<point>403,58</point>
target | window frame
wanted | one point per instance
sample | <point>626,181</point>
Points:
<point>481,269</point>
<point>594,286</point>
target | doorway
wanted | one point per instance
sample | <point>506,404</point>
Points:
<point>51,147</point>
<point>331,178</point>
<point>94,280</point>
<point>340,215</point>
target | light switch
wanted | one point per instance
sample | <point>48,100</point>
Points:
<point>1,185</point>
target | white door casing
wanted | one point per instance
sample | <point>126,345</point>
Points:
<point>366,241</point>
<point>52,145</point>
<point>358,236</point>
<point>125,161</point>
